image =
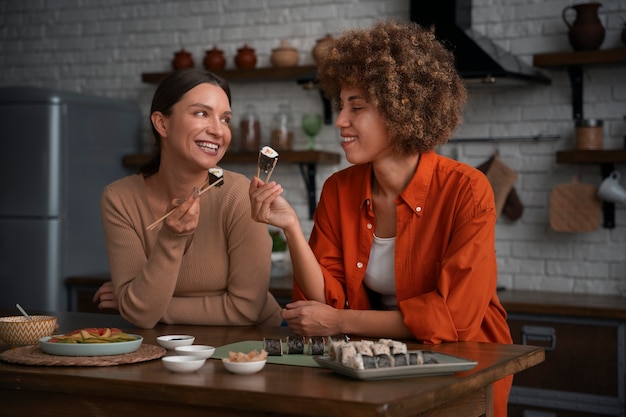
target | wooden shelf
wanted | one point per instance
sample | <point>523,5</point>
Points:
<point>307,160</point>
<point>305,75</point>
<point>565,59</point>
<point>300,157</point>
<point>608,156</point>
<point>298,73</point>
<point>574,62</point>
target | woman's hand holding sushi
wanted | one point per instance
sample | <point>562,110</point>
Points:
<point>186,216</point>
<point>268,205</point>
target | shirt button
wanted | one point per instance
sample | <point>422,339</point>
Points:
<point>418,209</point>
<point>369,226</point>
<point>359,265</point>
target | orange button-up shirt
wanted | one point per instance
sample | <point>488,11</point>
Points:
<point>445,261</point>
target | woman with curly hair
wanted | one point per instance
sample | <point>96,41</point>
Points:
<point>403,244</point>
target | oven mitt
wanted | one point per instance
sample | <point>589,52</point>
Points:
<point>502,178</point>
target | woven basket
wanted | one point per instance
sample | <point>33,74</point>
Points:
<point>574,208</point>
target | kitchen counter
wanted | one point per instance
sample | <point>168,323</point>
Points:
<point>81,289</point>
<point>562,304</point>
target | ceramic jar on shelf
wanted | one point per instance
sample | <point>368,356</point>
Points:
<point>321,46</point>
<point>285,55</point>
<point>214,59</point>
<point>182,60</point>
<point>245,58</point>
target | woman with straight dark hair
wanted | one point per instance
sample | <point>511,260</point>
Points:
<point>208,262</point>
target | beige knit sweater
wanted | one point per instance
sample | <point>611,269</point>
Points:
<point>218,275</point>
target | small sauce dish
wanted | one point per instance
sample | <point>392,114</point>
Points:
<point>202,351</point>
<point>243,368</point>
<point>172,341</point>
<point>183,364</point>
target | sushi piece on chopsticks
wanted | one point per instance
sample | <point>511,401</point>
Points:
<point>215,178</point>
<point>268,158</point>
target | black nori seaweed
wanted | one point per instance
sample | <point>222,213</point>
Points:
<point>413,358</point>
<point>316,345</point>
<point>429,356</point>
<point>384,361</point>
<point>273,347</point>
<point>400,359</point>
<point>369,362</point>
<point>295,345</point>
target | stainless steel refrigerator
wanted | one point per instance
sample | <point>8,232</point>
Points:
<point>57,152</point>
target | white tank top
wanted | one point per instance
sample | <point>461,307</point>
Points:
<point>380,275</point>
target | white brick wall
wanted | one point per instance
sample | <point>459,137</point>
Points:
<point>102,47</point>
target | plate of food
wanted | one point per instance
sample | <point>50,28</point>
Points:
<point>91,342</point>
<point>385,359</point>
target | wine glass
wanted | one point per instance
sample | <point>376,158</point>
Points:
<point>311,124</point>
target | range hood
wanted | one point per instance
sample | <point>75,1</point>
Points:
<point>478,59</point>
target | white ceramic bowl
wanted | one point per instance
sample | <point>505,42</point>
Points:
<point>183,363</point>
<point>243,368</point>
<point>172,341</point>
<point>202,351</point>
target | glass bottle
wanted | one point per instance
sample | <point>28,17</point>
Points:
<point>282,129</point>
<point>250,130</point>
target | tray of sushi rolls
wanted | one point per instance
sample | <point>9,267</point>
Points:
<point>386,358</point>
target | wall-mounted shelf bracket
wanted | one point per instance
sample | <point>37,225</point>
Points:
<point>310,84</point>
<point>576,82</point>
<point>308,171</point>
<point>608,208</point>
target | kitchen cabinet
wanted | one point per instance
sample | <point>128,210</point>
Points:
<point>306,160</point>
<point>584,340</point>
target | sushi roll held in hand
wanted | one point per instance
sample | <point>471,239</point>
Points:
<point>268,158</point>
<point>216,174</point>
<point>215,179</point>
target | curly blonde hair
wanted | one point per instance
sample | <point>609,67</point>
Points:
<point>406,73</point>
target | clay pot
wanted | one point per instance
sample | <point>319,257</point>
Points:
<point>321,46</point>
<point>285,55</point>
<point>246,57</point>
<point>587,32</point>
<point>214,59</point>
<point>182,59</point>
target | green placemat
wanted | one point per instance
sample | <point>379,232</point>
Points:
<point>250,345</point>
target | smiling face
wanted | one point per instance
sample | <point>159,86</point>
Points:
<point>362,128</point>
<point>197,132</point>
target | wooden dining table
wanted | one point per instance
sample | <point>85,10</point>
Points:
<point>148,389</point>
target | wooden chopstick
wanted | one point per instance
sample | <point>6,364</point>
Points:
<point>202,191</point>
<point>269,174</point>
